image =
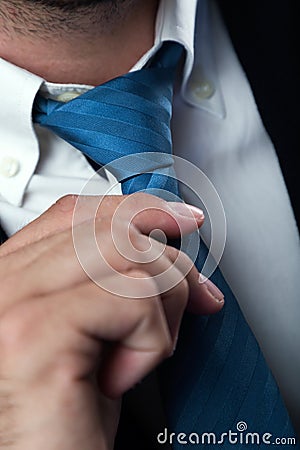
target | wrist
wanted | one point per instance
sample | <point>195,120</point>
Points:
<point>55,417</point>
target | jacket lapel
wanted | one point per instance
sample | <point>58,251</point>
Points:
<point>266,38</point>
<point>3,236</point>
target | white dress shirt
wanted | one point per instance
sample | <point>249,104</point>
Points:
<point>216,125</point>
<point>261,261</point>
<point>36,166</point>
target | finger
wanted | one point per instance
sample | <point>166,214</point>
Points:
<point>61,261</point>
<point>125,368</point>
<point>172,268</point>
<point>56,219</point>
<point>175,275</point>
<point>138,328</point>
<point>55,266</point>
<point>147,212</point>
<point>53,261</point>
<point>204,296</point>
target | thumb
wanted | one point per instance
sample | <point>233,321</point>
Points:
<point>146,211</point>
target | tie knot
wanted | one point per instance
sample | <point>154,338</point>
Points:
<point>129,115</point>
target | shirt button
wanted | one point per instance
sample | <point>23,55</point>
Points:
<point>9,167</point>
<point>67,96</point>
<point>203,89</point>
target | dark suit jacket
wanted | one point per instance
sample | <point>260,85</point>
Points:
<point>265,34</point>
<point>2,236</point>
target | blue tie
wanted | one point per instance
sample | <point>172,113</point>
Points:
<point>128,115</point>
<point>217,380</point>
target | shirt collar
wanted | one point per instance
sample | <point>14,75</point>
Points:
<point>175,22</point>
<point>19,150</point>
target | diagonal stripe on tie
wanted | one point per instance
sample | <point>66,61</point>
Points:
<point>218,375</point>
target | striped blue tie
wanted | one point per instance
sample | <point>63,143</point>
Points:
<point>218,379</point>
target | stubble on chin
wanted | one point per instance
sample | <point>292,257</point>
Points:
<point>44,17</point>
<point>73,5</point>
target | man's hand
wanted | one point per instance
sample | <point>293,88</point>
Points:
<point>69,348</point>
<point>145,211</point>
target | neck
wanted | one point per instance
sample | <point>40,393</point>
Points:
<point>91,47</point>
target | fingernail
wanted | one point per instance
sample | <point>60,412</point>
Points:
<point>212,289</point>
<point>188,211</point>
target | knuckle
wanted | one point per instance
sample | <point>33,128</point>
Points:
<point>173,253</point>
<point>181,260</point>
<point>66,369</point>
<point>182,293</point>
<point>144,200</point>
<point>144,287</point>
<point>66,203</point>
<point>155,317</point>
<point>167,347</point>
<point>185,258</point>
<point>136,243</point>
<point>130,244</point>
<point>15,327</point>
